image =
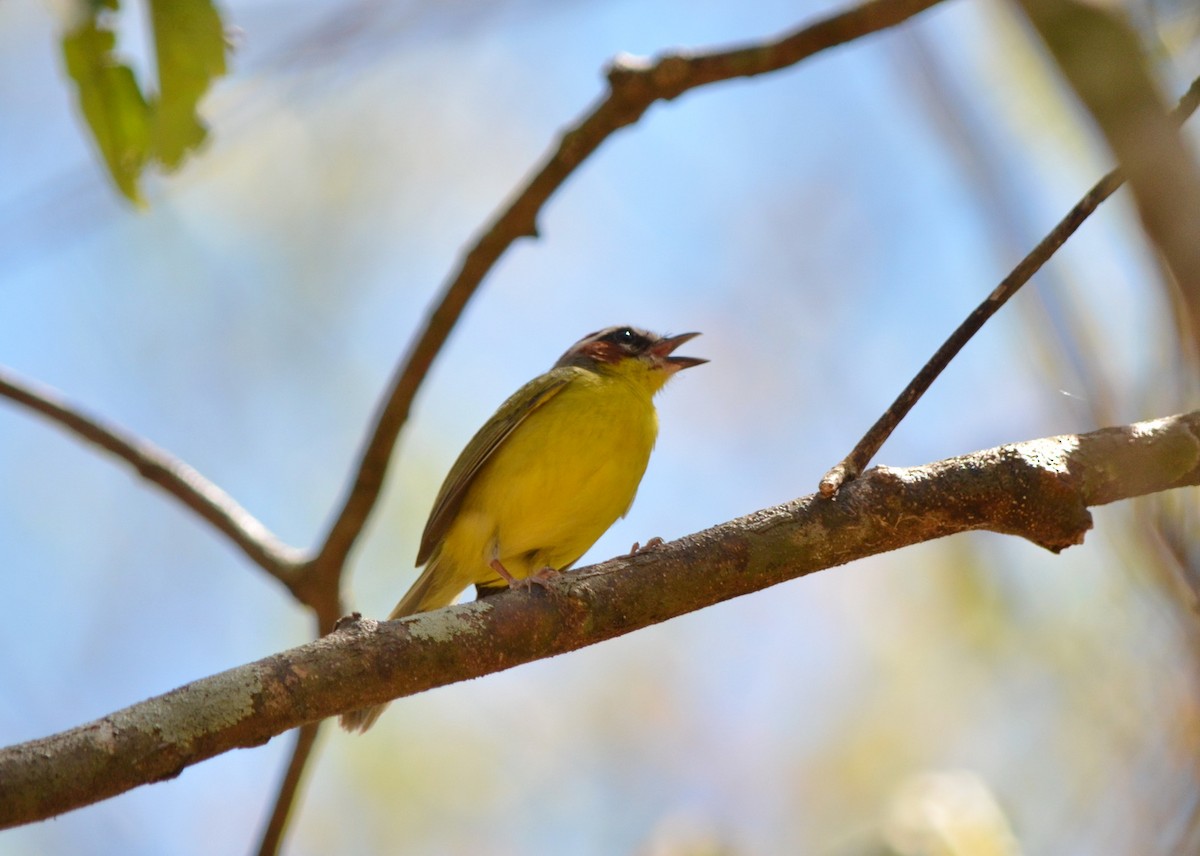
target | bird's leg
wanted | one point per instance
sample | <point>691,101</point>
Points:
<point>541,578</point>
<point>647,547</point>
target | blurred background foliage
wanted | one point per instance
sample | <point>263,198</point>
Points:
<point>825,227</point>
<point>132,128</point>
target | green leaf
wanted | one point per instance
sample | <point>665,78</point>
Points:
<point>113,106</point>
<point>189,41</point>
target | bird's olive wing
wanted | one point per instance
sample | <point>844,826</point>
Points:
<point>486,441</point>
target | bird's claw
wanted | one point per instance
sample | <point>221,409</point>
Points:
<point>541,579</point>
<point>652,544</point>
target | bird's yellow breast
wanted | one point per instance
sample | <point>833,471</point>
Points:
<point>562,478</point>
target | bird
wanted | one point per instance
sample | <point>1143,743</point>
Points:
<point>546,475</point>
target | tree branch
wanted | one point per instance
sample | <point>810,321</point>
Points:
<point>634,85</point>
<point>272,839</point>
<point>866,448</point>
<point>1039,490</point>
<point>1102,58</point>
<point>161,468</point>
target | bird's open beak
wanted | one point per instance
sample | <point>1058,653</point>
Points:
<point>663,347</point>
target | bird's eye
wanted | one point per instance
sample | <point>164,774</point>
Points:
<point>627,339</point>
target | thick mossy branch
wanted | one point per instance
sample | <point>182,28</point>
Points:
<point>1040,490</point>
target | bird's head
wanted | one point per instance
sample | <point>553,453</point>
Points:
<point>638,354</point>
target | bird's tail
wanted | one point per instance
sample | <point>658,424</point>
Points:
<point>432,590</point>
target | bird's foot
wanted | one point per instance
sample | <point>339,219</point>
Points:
<point>541,578</point>
<point>652,544</point>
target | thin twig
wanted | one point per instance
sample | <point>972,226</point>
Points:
<point>306,738</point>
<point>161,468</point>
<point>861,454</point>
<point>1040,490</point>
<point>634,85</point>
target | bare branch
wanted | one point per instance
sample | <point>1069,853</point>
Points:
<point>1040,490</point>
<point>634,85</point>
<point>1102,58</point>
<point>878,433</point>
<point>306,738</point>
<point>161,468</point>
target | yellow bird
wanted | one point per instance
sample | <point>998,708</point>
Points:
<point>546,476</point>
